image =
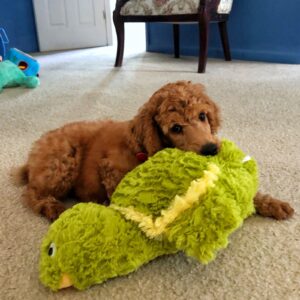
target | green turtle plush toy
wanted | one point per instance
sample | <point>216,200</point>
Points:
<point>175,201</point>
<point>11,76</point>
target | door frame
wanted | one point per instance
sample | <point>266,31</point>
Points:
<point>108,20</point>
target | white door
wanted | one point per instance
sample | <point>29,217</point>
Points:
<point>71,24</point>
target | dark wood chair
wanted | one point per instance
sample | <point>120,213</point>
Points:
<point>201,11</point>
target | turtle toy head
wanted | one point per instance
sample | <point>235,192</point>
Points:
<point>175,201</point>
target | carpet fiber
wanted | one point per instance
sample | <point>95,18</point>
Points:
<point>260,105</point>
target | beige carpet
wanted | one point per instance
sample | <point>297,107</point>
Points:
<point>261,112</point>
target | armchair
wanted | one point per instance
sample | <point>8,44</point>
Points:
<point>175,11</point>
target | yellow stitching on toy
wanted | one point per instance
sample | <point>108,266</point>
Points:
<point>154,228</point>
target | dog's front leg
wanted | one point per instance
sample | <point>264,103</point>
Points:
<point>267,206</point>
<point>111,175</point>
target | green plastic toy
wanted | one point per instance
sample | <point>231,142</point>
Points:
<point>11,76</point>
<point>175,201</point>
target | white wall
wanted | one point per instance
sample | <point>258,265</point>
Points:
<point>135,35</point>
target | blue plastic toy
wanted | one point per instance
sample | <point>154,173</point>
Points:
<point>3,42</point>
<point>25,62</point>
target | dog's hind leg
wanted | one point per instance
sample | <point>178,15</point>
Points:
<point>45,205</point>
<point>52,173</point>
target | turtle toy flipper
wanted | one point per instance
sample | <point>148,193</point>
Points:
<point>12,76</point>
<point>175,201</point>
<point>30,81</point>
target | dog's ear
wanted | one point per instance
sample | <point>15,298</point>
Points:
<point>213,113</point>
<point>213,116</point>
<point>145,128</point>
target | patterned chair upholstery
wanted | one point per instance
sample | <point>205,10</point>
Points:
<point>175,11</point>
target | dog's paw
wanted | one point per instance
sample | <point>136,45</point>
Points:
<point>268,206</point>
<point>280,210</point>
<point>52,209</point>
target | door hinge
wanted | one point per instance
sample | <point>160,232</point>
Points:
<point>104,14</point>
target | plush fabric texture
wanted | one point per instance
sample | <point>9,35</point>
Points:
<point>11,76</point>
<point>92,243</point>
<point>168,7</point>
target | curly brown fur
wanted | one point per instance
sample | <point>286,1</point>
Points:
<point>90,158</point>
<point>267,206</point>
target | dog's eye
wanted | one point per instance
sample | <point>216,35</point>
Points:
<point>176,128</point>
<point>202,116</point>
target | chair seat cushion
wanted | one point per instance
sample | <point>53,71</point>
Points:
<point>168,7</point>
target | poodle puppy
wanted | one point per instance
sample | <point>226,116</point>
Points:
<point>88,159</point>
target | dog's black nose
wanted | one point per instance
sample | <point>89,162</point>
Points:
<point>209,149</point>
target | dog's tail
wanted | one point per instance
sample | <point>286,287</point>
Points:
<point>19,175</point>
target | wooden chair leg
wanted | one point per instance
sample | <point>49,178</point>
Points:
<point>224,39</point>
<point>176,37</point>
<point>119,26</point>
<point>203,39</point>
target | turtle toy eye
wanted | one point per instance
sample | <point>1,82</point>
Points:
<point>176,128</point>
<point>52,250</point>
<point>202,116</point>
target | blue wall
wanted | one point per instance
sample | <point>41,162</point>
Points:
<point>263,30</point>
<point>17,18</point>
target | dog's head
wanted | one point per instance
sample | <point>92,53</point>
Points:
<point>179,115</point>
